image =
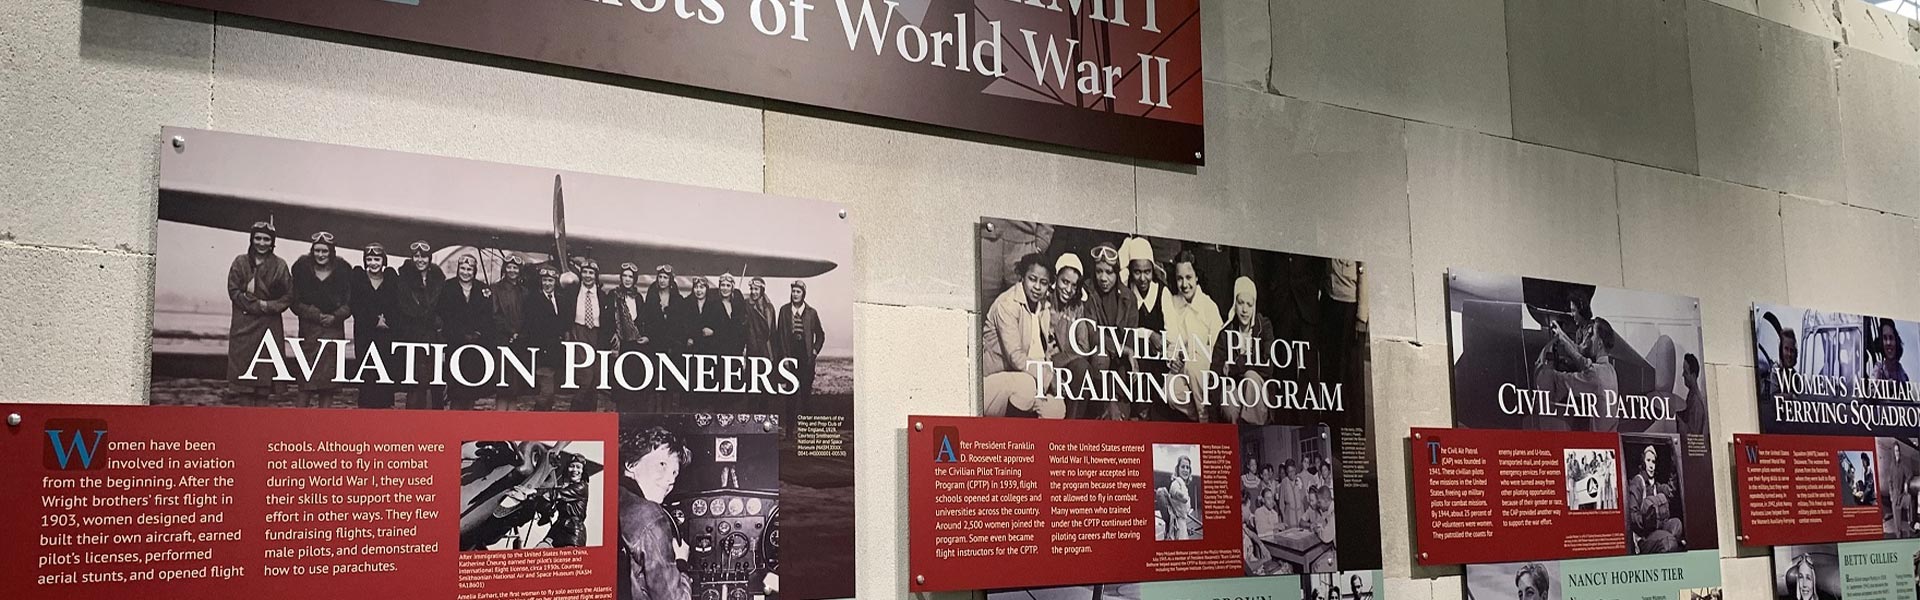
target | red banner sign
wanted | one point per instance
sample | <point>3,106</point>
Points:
<point>1103,75</point>
<point>114,502</point>
<point>1804,489</point>
<point>1096,502</point>
<point>1489,496</point>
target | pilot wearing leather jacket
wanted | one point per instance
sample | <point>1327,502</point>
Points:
<point>650,551</point>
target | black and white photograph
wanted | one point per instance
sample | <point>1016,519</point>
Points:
<point>1176,493</point>
<point>701,490</point>
<point>1856,483</point>
<point>430,283</point>
<point>1111,591</point>
<point>1515,581</point>
<point>521,495</point>
<point>1287,500</point>
<point>1834,373</point>
<point>1591,479</point>
<point>1344,585</point>
<point>1897,485</point>
<point>1705,593</point>
<point>1079,323</point>
<point>1544,355</point>
<point>1087,324</point>
<point>1810,572</point>
<point>295,274</point>
<point>1655,506</point>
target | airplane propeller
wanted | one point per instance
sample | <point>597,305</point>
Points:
<point>567,276</point>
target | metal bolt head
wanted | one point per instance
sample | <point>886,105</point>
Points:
<point>179,142</point>
<point>917,426</point>
<point>1423,555</point>
<point>920,579</point>
<point>989,226</point>
<point>1196,156</point>
<point>13,420</point>
<point>843,213</point>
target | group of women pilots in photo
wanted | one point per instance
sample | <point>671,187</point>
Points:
<point>1121,335</point>
<point>418,302</point>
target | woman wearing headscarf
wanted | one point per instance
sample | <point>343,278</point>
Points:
<point>465,307</point>
<point>760,316</point>
<point>1066,342</point>
<point>1111,303</point>
<point>373,297</point>
<point>1142,276</point>
<point>260,289</point>
<point>726,315</point>
<point>692,315</point>
<point>1233,358</point>
<point>705,324</point>
<point>658,324</point>
<point>322,290</point>
<point>414,318</point>
<point>624,307</point>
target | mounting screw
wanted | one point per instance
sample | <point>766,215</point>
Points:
<point>843,213</point>
<point>766,426</point>
<point>989,226</point>
<point>13,420</point>
<point>919,426</point>
<point>179,143</point>
<point>1423,555</point>
<point>1416,436</point>
<point>1196,156</point>
<point>920,579</point>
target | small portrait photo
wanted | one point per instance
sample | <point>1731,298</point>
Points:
<point>1514,581</point>
<point>1111,591</point>
<point>1655,506</point>
<point>1286,498</point>
<point>1176,492</point>
<point>519,495</point>
<point>1856,478</point>
<point>1886,346</point>
<point>1591,481</point>
<point>1810,572</point>
<point>1705,593</point>
<point>1343,585</point>
<point>1897,481</point>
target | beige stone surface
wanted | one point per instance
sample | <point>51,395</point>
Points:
<point>76,333</point>
<point>918,198</point>
<point>1300,177</point>
<point>84,90</point>
<point>1842,258</point>
<point>1764,103</point>
<point>1491,204</point>
<point>1437,62</point>
<point>329,90</point>
<point>1707,239</point>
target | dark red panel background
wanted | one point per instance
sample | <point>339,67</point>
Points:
<point>1111,562</point>
<point>1509,545</point>
<point>1831,528</point>
<point>242,434</point>
<point>733,57</point>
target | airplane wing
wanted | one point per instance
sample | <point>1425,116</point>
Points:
<point>357,222</point>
